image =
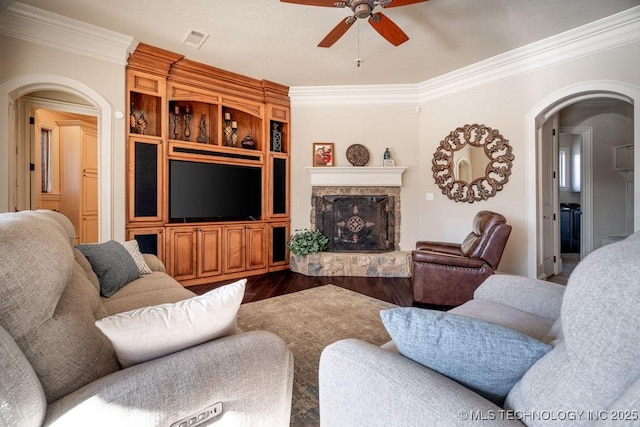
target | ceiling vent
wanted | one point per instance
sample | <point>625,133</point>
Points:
<point>195,39</point>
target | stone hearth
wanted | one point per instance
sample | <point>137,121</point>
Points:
<point>386,264</point>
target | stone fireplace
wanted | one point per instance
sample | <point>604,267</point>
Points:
<point>358,208</point>
<point>356,219</point>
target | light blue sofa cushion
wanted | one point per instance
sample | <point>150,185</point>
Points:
<point>485,357</point>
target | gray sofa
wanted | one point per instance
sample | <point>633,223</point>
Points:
<point>590,376</point>
<point>57,367</point>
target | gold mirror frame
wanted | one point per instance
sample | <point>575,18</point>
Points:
<point>497,150</point>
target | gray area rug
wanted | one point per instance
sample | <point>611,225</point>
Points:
<point>308,321</point>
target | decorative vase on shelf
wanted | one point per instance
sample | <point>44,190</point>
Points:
<point>387,154</point>
<point>276,138</point>
<point>202,135</point>
<point>133,122</point>
<point>142,123</point>
<point>248,142</point>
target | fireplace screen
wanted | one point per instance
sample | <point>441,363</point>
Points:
<point>356,223</point>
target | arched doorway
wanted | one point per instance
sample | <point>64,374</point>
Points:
<point>535,120</point>
<point>13,89</point>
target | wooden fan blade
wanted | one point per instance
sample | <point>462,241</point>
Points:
<point>336,33</point>
<point>326,3</point>
<point>397,3</point>
<point>389,30</point>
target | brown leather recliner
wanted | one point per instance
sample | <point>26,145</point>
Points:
<point>448,273</point>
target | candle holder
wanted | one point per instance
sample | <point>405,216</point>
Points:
<point>228,131</point>
<point>234,134</point>
<point>187,119</point>
<point>176,124</point>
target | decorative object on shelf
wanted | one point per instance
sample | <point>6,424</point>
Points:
<point>497,172</point>
<point>388,163</point>
<point>142,123</point>
<point>305,242</point>
<point>276,137</point>
<point>234,134</point>
<point>187,119</point>
<point>248,141</point>
<point>176,122</point>
<point>227,130</point>
<point>202,133</point>
<point>133,122</point>
<point>358,155</point>
<point>387,154</point>
<point>323,154</point>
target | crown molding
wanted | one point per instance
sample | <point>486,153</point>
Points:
<point>608,33</point>
<point>604,34</point>
<point>369,95</point>
<point>21,21</point>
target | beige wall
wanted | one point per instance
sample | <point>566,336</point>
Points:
<point>377,128</point>
<point>503,105</point>
<point>104,79</point>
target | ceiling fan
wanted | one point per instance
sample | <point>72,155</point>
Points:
<point>362,9</point>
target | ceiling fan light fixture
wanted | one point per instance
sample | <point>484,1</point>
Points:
<point>362,11</point>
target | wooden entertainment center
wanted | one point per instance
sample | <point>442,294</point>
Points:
<point>187,111</point>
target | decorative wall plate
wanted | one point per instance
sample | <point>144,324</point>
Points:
<point>358,155</point>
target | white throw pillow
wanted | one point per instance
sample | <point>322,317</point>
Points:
<point>134,250</point>
<point>150,332</point>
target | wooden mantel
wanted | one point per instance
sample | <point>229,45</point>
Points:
<point>356,176</point>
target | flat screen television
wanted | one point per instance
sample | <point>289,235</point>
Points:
<point>205,192</point>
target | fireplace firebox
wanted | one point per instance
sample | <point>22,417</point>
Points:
<point>362,223</point>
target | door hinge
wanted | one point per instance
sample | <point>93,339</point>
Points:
<point>554,132</point>
<point>554,258</point>
<point>554,174</point>
<point>32,120</point>
<point>554,216</point>
<point>32,167</point>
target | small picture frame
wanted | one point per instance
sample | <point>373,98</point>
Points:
<point>323,154</point>
<point>388,163</point>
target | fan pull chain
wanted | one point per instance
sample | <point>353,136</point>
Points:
<point>358,59</point>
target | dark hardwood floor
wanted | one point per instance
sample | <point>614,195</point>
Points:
<point>396,290</point>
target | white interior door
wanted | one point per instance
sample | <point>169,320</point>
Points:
<point>548,167</point>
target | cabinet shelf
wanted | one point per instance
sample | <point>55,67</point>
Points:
<point>145,114</point>
<point>213,153</point>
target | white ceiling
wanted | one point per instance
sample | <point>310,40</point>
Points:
<point>267,39</point>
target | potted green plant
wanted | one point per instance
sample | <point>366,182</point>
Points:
<point>305,242</point>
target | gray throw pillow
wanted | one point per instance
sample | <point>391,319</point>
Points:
<point>484,357</point>
<point>112,263</point>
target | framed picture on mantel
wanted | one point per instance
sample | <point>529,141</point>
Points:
<point>323,154</point>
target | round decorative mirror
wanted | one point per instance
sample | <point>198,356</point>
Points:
<point>463,155</point>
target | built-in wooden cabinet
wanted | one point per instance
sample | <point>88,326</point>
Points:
<point>79,177</point>
<point>278,250</point>
<point>245,248</point>
<point>150,239</point>
<point>184,112</point>
<point>194,253</point>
